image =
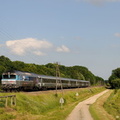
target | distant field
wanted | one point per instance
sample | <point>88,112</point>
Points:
<point>44,106</point>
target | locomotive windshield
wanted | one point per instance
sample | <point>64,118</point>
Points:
<point>9,76</point>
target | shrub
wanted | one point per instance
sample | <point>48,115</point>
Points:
<point>116,83</point>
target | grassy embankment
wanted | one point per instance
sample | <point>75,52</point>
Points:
<point>107,107</point>
<point>44,106</point>
<point>112,105</point>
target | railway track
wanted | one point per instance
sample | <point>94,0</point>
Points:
<point>49,91</point>
<point>44,91</point>
<point>54,91</point>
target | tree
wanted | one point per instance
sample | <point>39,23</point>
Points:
<point>116,83</point>
<point>6,63</point>
<point>18,65</point>
<point>113,78</point>
<point>99,80</point>
<point>2,69</point>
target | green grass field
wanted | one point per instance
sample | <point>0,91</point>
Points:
<point>44,106</point>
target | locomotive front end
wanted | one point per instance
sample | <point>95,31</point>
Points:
<point>9,81</point>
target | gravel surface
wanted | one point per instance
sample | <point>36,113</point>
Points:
<point>81,111</point>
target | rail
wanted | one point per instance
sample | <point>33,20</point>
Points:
<point>12,100</point>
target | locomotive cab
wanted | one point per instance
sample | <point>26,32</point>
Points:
<point>9,80</point>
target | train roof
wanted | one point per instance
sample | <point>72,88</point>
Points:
<point>60,78</point>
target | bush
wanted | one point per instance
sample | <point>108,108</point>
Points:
<point>116,83</point>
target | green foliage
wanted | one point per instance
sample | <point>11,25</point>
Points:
<point>116,83</point>
<point>116,72</point>
<point>86,73</point>
<point>5,64</point>
<point>112,105</point>
<point>99,80</point>
<point>114,79</point>
<point>18,65</point>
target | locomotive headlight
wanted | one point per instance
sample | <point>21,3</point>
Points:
<point>12,82</point>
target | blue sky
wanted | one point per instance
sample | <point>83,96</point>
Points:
<point>71,32</point>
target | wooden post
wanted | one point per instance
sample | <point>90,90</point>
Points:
<point>6,103</point>
<point>12,98</point>
<point>15,100</point>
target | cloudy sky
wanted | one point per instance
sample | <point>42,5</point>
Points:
<point>71,32</point>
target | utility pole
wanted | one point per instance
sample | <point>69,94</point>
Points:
<point>58,79</point>
<point>56,64</point>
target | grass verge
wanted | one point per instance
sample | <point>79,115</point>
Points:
<point>97,110</point>
<point>44,106</point>
<point>112,105</point>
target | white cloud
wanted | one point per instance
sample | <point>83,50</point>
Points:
<point>39,53</point>
<point>117,34</point>
<point>63,48</point>
<point>22,46</point>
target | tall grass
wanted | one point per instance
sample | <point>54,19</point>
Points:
<point>46,106</point>
<point>97,110</point>
<point>112,105</point>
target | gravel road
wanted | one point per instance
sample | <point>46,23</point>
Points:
<point>81,111</point>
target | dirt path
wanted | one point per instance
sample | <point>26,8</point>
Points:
<point>81,111</point>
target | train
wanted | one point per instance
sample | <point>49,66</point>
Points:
<point>19,80</point>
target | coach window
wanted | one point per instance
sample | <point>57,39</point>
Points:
<point>31,78</point>
<point>82,84</point>
<point>52,81</point>
<point>65,81</point>
<point>45,80</point>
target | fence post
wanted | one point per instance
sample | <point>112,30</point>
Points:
<point>12,100</point>
<point>6,103</point>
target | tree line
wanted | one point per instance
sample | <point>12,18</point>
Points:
<point>114,79</point>
<point>74,72</point>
